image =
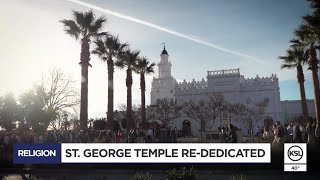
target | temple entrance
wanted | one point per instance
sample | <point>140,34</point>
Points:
<point>186,128</point>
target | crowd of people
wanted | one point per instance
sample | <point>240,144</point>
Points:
<point>290,133</point>
<point>277,135</point>
<point>150,135</point>
<point>228,134</point>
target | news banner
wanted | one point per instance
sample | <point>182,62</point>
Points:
<point>295,154</point>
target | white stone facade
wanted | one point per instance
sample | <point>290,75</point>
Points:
<point>232,85</point>
<point>163,86</point>
<point>236,89</point>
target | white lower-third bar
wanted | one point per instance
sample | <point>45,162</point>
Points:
<point>166,153</point>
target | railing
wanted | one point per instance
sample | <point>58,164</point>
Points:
<point>224,72</point>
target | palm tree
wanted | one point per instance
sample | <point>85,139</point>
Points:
<point>128,59</point>
<point>315,5</point>
<point>308,38</point>
<point>85,26</point>
<point>144,67</point>
<point>108,48</point>
<point>295,59</point>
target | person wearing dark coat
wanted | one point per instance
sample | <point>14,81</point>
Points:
<point>296,134</point>
<point>232,136</point>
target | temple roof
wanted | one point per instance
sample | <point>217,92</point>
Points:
<point>164,51</point>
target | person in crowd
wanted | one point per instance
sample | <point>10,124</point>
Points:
<point>266,136</point>
<point>317,135</point>
<point>290,132</point>
<point>310,132</point>
<point>278,134</point>
<point>6,140</point>
<point>150,135</point>
<point>1,139</point>
<point>303,133</point>
<point>41,139</point>
<point>223,134</point>
<point>119,136</point>
<point>231,133</point>
<point>296,133</point>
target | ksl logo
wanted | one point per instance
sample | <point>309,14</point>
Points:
<point>295,153</point>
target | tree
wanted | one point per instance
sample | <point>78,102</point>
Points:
<point>49,100</point>
<point>62,120</point>
<point>122,114</point>
<point>57,91</point>
<point>108,48</point>
<point>315,5</point>
<point>144,67</point>
<point>166,110</point>
<point>35,114</point>
<point>307,37</point>
<point>249,115</point>
<point>100,124</point>
<point>85,26</point>
<point>128,59</point>
<point>75,123</point>
<point>295,59</point>
<point>59,96</point>
<point>205,112</point>
<point>9,112</point>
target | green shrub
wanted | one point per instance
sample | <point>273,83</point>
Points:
<point>238,177</point>
<point>172,174</point>
<point>142,176</point>
<point>186,174</point>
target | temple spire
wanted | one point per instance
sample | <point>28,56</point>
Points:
<point>164,51</point>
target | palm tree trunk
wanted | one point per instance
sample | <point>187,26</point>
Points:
<point>110,95</point>
<point>143,98</point>
<point>313,63</point>
<point>304,105</point>
<point>84,62</point>
<point>130,122</point>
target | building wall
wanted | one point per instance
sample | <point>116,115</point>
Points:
<point>235,89</point>
<point>292,109</point>
<point>162,88</point>
<point>233,86</point>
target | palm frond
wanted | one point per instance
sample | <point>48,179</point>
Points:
<point>293,58</point>
<point>79,17</point>
<point>100,49</point>
<point>98,35</point>
<point>311,20</point>
<point>97,25</point>
<point>287,66</point>
<point>150,68</point>
<point>71,28</point>
<point>124,45</point>
<point>89,18</point>
<point>144,66</point>
<point>119,63</point>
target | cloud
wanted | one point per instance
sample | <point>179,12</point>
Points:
<point>155,26</point>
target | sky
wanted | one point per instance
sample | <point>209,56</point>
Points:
<point>200,36</point>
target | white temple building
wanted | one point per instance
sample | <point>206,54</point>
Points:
<point>232,85</point>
